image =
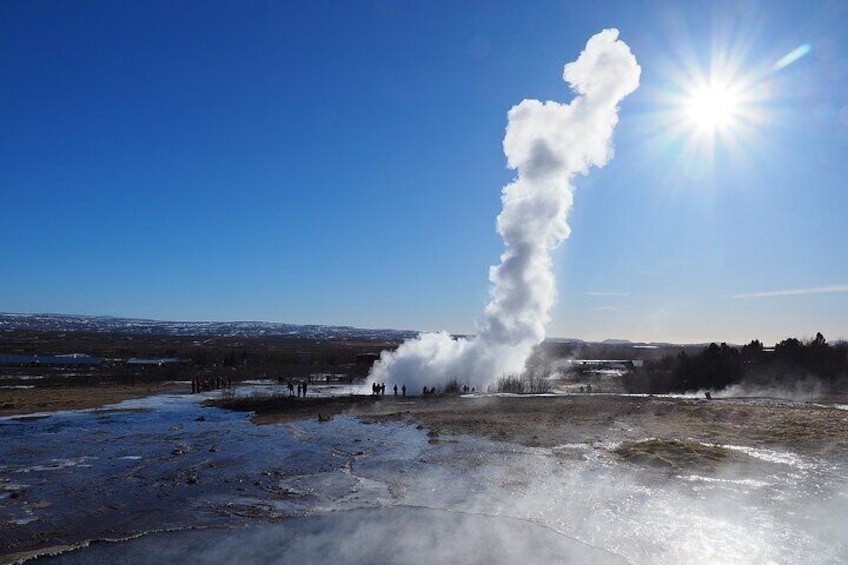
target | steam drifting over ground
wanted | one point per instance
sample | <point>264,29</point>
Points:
<point>547,143</point>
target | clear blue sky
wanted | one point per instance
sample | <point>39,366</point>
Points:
<point>341,163</point>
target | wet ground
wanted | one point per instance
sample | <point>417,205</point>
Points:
<point>181,481</point>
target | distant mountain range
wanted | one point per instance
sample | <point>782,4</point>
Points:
<point>135,326</point>
<point>132,326</point>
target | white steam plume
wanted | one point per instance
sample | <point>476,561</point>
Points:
<point>547,143</point>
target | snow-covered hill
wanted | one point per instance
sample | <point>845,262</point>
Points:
<point>132,326</point>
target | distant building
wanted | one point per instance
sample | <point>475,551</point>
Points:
<point>139,361</point>
<point>65,360</point>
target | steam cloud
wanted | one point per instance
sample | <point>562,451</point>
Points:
<point>547,143</point>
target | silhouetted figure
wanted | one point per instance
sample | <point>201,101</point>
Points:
<point>383,389</point>
<point>708,395</point>
<point>403,390</point>
<point>395,388</point>
<point>291,388</point>
<point>299,389</point>
<point>304,389</point>
<point>425,391</point>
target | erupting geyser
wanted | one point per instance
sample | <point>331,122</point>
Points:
<point>547,143</point>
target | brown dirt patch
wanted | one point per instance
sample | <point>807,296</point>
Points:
<point>49,399</point>
<point>675,454</point>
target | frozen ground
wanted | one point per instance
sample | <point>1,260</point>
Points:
<point>183,482</point>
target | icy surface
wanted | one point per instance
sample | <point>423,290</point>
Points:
<point>371,491</point>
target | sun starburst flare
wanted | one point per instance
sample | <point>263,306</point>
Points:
<point>713,107</point>
<point>709,109</point>
<point>721,110</point>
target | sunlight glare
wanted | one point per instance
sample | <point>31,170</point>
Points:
<point>712,107</point>
<point>713,113</point>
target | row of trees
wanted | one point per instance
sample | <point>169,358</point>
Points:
<point>719,366</point>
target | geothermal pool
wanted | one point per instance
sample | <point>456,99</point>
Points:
<point>165,479</point>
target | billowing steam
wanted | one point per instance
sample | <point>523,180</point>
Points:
<point>547,143</point>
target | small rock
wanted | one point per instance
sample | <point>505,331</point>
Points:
<point>192,479</point>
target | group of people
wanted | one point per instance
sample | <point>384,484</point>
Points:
<point>203,384</point>
<point>379,389</point>
<point>301,388</point>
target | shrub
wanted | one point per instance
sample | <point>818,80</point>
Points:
<point>530,382</point>
<point>452,387</point>
<point>538,381</point>
<point>510,383</point>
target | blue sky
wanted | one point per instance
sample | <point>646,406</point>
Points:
<point>341,163</point>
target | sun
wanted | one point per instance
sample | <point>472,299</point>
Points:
<point>713,107</point>
<point>706,116</point>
